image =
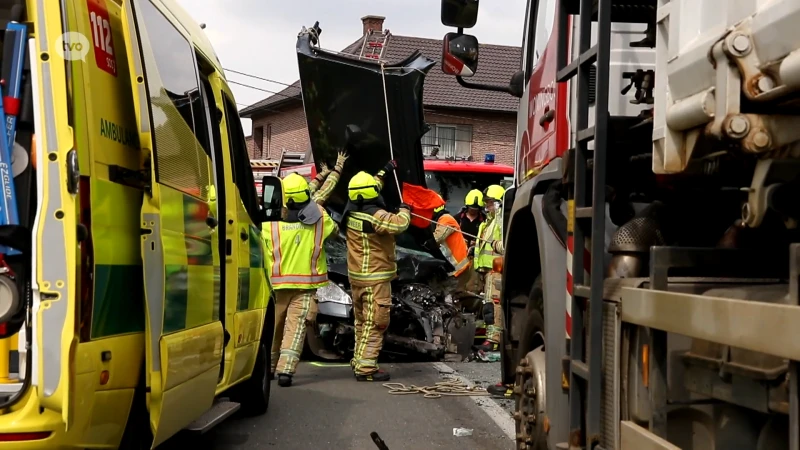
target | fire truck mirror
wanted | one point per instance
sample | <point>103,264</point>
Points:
<point>271,198</point>
<point>459,54</point>
<point>459,13</point>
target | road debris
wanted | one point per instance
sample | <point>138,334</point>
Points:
<point>462,432</point>
<point>448,388</point>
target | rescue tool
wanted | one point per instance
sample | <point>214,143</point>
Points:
<point>8,204</point>
<point>14,45</point>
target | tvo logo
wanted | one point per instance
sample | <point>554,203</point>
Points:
<point>72,46</point>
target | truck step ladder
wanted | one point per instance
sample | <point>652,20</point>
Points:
<point>374,45</point>
<point>216,414</point>
<point>587,213</point>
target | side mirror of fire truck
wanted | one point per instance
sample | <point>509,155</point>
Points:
<point>271,198</point>
<point>459,13</point>
<point>460,54</point>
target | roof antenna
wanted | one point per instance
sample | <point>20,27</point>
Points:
<point>202,26</point>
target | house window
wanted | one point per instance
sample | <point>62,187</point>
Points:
<point>453,141</point>
<point>269,138</point>
<point>258,142</point>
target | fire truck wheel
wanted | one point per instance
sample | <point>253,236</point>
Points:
<point>253,394</point>
<point>533,324</point>
<point>529,413</point>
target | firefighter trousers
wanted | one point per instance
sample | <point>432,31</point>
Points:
<point>494,330</point>
<point>293,309</point>
<point>371,307</point>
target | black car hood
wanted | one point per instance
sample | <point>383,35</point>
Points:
<point>343,98</point>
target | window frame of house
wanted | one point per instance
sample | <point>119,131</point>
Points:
<point>437,141</point>
<point>269,139</point>
<point>258,141</point>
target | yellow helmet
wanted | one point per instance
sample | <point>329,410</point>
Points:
<point>474,199</point>
<point>295,188</point>
<point>362,185</point>
<point>495,192</point>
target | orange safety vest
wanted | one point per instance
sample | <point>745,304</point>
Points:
<point>454,246</point>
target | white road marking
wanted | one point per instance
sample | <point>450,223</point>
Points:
<point>486,404</point>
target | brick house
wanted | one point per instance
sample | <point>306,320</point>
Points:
<point>465,123</point>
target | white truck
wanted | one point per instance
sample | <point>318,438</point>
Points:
<point>661,140</point>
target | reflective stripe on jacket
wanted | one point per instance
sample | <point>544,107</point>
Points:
<point>489,232</point>
<point>452,244</point>
<point>296,257</point>
<point>371,255</point>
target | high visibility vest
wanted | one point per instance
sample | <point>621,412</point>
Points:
<point>298,259</point>
<point>454,247</point>
<point>484,253</point>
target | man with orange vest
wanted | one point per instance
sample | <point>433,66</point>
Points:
<point>448,238</point>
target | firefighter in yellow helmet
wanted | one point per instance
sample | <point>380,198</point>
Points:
<point>371,266</point>
<point>297,265</point>
<point>488,248</point>
<point>471,216</point>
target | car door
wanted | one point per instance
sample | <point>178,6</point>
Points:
<point>180,246</point>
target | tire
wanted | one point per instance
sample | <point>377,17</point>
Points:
<point>534,323</point>
<point>254,393</point>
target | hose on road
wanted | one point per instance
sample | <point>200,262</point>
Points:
<point>450,388</point>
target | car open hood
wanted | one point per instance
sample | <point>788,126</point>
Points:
<point>343,98</point>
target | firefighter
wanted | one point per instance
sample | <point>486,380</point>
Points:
<point>371,266</point>
<point>471,216</point>
<point>448,239</point>
<point>489,234</point>
<point>298,265</point>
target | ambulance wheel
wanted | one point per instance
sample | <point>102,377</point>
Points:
<point>253,394</point>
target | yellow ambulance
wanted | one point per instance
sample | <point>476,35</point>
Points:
<point>142,305</point>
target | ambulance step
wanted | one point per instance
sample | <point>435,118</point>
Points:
<point>219,412</point>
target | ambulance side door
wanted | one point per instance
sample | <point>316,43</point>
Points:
<point>253,291</point>
<point>180,242</point>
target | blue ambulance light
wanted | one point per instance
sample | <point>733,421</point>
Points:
<point>489,158</point>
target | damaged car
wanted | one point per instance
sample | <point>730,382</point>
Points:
<point>427,317</point>
<point>375,111</point>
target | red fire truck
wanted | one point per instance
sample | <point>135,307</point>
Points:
<point>652,244</point>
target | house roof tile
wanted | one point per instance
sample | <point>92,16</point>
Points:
<point>497,63</point>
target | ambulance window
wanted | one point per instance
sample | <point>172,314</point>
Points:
<point>242,172</point>
<point>182,149</point>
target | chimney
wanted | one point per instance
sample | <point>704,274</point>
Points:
<point>372,23</point>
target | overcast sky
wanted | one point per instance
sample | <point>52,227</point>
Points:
<point>258,36</point>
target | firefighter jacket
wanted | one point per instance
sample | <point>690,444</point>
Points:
<point>447,234</point>
<point>320,194</point>
<point>371,231</point>
<point>296,257</point>
<point>490,236</point>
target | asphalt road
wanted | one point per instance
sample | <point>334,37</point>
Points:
<point>326,408</point>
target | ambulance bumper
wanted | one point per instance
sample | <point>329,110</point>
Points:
<point>25,428</point>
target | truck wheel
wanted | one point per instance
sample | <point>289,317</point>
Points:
<point>534,324</point>
<point>253,394</point>
<point>529,413</point>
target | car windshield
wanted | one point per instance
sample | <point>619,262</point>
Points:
<point>454,186</point>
